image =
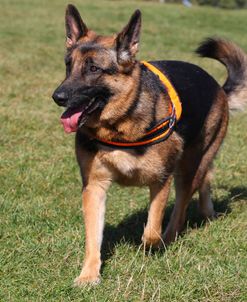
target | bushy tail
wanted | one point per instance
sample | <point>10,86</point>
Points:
<point>235,60</point>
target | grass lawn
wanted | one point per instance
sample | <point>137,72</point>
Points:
<point>41,227</point>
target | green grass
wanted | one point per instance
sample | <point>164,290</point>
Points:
<point>41,228</point>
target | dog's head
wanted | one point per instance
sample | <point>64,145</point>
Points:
<point>97,67</point>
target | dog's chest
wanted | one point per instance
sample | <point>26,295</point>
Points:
<point>130,169</point>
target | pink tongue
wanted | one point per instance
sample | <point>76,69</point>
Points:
<point>70,119</point>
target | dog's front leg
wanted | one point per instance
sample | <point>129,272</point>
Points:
<point>93,205</point>
<point>158,199</point>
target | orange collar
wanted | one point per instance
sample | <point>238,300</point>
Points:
<point>164,128</point>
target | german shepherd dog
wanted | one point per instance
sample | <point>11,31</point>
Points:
<point>112,97</point>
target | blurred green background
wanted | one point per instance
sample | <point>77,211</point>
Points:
<point>41,227</point>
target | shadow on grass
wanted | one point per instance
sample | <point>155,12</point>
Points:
<point>131,228</point>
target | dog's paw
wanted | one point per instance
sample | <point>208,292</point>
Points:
<point>169,237</point>
<point>154,241</point>
<point>209,214</point>
<point>84,280</point>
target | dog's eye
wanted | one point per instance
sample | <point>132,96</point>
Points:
<point>94,68</point>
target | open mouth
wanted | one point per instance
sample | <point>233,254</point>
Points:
<point>74,118</point>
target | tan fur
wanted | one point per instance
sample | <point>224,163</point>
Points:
<point>240,94</point>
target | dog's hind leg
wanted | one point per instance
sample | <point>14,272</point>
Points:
<point>191,172</point>
<point>206,207</point>
<point>187,181</point>
<point>158,199</point>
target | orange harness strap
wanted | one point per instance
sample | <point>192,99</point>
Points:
<point>170,89</point>
<point>161,131</point>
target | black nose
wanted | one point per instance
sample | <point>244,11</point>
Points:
<point>60,97</point>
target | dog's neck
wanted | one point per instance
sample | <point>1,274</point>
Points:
<point>130,112</point>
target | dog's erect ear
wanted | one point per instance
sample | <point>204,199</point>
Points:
<point>128,39</point>
<point>75,27</point>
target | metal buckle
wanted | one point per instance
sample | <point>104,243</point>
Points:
<point>172,118</point>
